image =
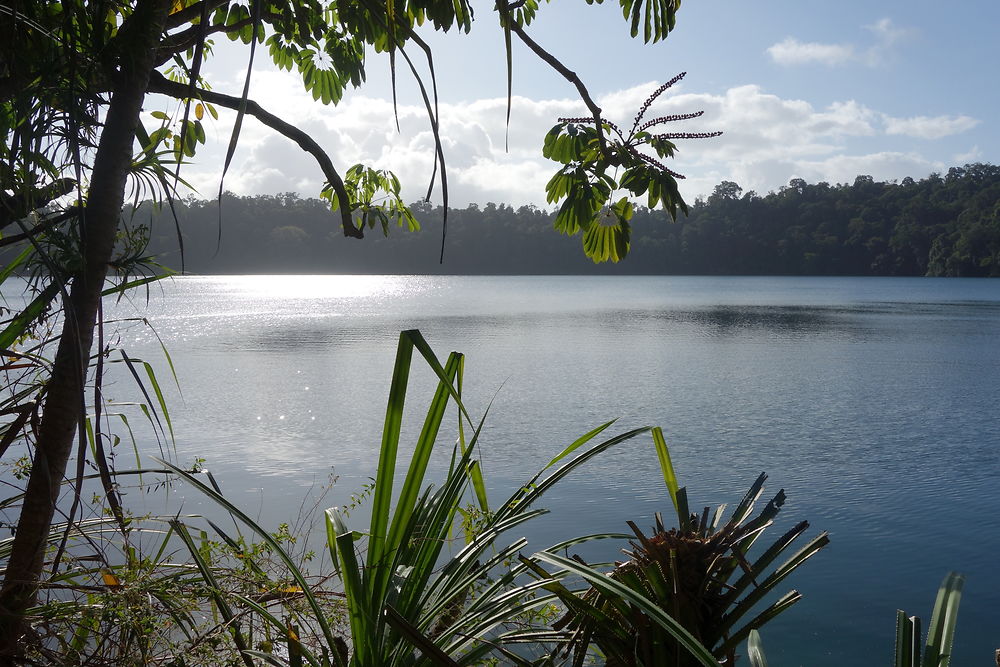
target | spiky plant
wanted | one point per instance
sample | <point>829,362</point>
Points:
<point>700,574</point>
<point>410,599</point>
<point>941,633</point>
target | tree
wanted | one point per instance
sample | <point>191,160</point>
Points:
<point>74,77</point>
<point>726,190</point>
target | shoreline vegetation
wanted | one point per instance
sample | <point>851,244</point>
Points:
<point>941,225</point>
<point>440,577</point>
<point>88,582</point>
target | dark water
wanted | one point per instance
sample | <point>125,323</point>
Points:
<point>872,402</point>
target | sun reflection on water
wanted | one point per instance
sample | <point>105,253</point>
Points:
<point>318,286</point>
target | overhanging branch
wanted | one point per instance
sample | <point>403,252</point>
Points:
<point>42,226</point>
<point>179,42</point>
<point>164,86</point>
<point>19,205</point>
<point>567,74</point>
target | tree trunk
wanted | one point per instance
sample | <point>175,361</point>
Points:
<point>64,404</point>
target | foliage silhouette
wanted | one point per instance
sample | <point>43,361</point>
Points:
<point>74,78</point>
<point>934,226</point>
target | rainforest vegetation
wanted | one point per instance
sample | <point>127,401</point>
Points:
<point>85,581</point>
<point>940,225</point>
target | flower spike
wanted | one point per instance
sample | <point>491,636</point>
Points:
<point>652,98</point>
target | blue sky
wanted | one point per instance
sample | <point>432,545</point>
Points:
<point>806,89</point>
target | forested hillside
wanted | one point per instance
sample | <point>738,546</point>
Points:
<point>940,225</point>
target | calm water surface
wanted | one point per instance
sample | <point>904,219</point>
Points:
<point>872,402</point>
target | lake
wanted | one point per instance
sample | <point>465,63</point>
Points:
<point>872,402</point>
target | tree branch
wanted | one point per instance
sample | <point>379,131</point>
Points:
<point>567,74</point>
<point>191,13</point>
<point>161,84</point>
<point>39,228</point>
<point>18,205</point>
<point>184,40</point>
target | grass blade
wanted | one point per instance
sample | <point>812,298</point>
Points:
<point>137,282</point>
<point>17,326</point>
<point>277,549</point>
<point>417,638</point>
<point>907,640</point>
<point>417,340</point>
<point>667,466</point>
<point>421,455</point>
<point>785,569</point>
<point>529,493</point>
<point>382,498</point>
<point>941,631</point>
<point>579,442</point>
<point>214,590</point>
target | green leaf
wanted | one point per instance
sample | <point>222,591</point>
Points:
<point>657,17</point>
<point>318,614</point>
<point>907,652</point>
<point>616,590</point>
<point>345,560</point>
<point>941,631</point>
<point>137,282</point>
<point>667,467</point>
<point>755,650</point>
<point>214,590</point>
<point>387,460</point>
<point>785,569</point>
<point>606,242</point>
<point>23,321</point>
<point>426,645</point>
<point>9,270</point>
<point>413,482</point>
<point>582,440</point>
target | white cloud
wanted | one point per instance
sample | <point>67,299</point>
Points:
<point>791,51</point>
<point>971,155</point>
<point>767,140</point>
<point>758,125</point>
<point>927,127</point>
<point>887,36</point>
<point>884,165</point>
<point>887,33</point>
<point>363,129</point>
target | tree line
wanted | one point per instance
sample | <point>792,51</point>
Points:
<point>941,225</point>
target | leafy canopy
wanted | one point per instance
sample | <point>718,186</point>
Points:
<point>56,97</point>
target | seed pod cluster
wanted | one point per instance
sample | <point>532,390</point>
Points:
<point>669,119</point>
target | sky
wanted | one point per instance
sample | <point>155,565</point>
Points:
<point>822,91</point>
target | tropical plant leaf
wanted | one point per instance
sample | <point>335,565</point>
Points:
<point>941,631</point>
<point>23,320</point>
<point>657,17</point>
<point>617,590</point>
<point>214,590</point>
<point>755,650</point>
<point>293,570</point>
